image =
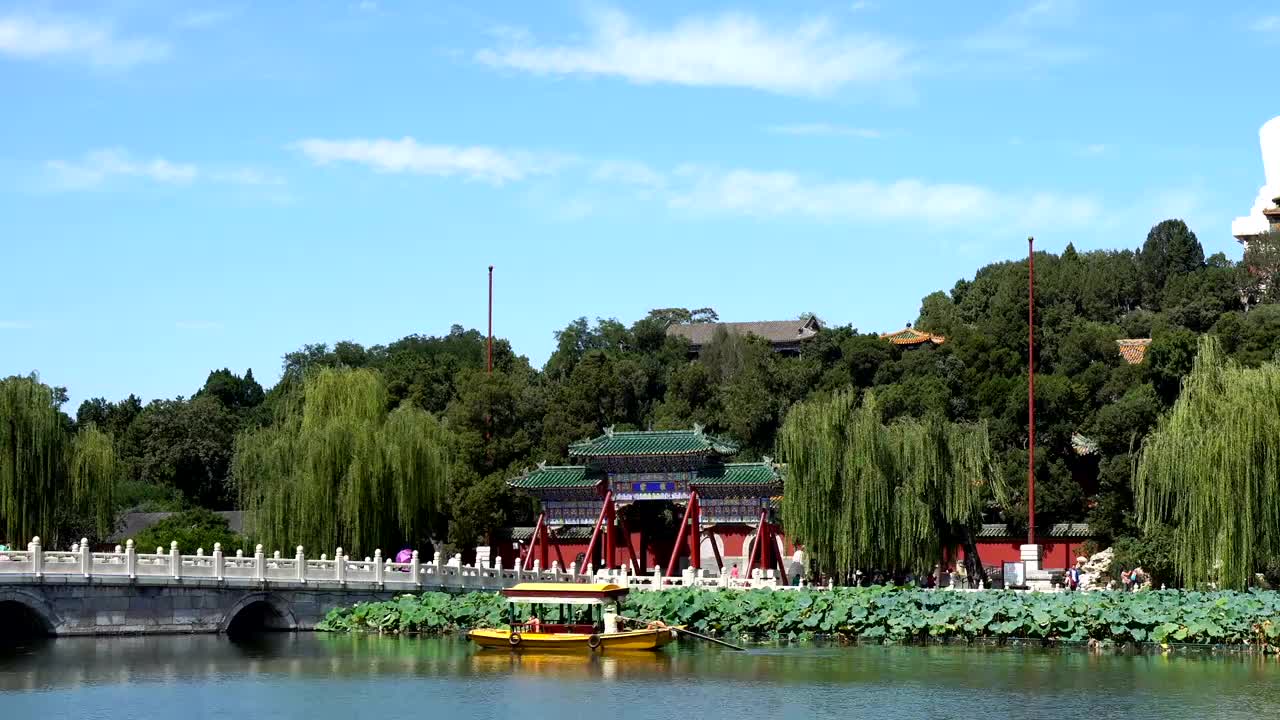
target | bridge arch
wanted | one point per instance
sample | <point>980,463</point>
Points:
<point>259,611</point>
<point>26,615</point>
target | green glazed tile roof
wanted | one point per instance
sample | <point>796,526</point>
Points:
<point>652,442</point>
<point>738,474</point>
<point>557,476</point>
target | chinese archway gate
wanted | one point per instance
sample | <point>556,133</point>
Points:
<point>723,501</point>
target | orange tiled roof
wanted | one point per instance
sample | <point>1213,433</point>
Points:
<point>1133,350</point>
<point>911,336</point>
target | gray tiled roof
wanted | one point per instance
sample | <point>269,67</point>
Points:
<point>999,531</point>
<point>136,522</point>
<point>775,331</point>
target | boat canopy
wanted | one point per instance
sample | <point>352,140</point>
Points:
<point>564,593</point>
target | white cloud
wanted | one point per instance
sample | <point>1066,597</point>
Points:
<point>629,173</point>
<point>367,6</point>
<point>14,325</point>
<point>96,44</point>
<point>409,156</point>
<point>826,129</point>
<point>777,193</point>
<point>100,165</point>
<point>730,50</point>
<point>1270,23</point>
<point>1095,149</point>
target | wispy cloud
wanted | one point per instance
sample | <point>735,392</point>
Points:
<point>407,155</point>
<point>200,19</point>
<point>629,173</point>
<point>14,325</point>
<point>99,167</point>
<point>1095,149</point>
<point>826,129</point>
<point>97,44</point>
<point>729,50</point>
<point>198,325</point>
<point>1027,34</point>
<point>1270,23</point>
<point>781,193</point>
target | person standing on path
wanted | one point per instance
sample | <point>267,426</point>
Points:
<point>797,565</point>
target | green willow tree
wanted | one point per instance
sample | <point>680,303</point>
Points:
<point>1211,470</point>
<point>863,494</point>
<point>337,468</point>
<point>51,481</point>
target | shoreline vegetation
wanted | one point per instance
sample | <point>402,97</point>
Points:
<point>1165,618</point>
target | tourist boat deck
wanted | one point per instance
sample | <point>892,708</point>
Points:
<point>569,618</point>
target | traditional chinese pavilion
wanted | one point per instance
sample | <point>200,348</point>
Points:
<point>728,508</point>
<point>909,337</point>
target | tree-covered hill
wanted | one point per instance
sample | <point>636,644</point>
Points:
<point>1093,407</point>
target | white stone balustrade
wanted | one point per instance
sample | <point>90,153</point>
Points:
<point>167,566</point>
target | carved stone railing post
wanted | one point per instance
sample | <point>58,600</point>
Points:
<point>37,557</point>
<point>86,558</point>
<point>438,561</point>
<point>218,561</point>
<point>259,564</point>
<point>415,567</point>
<point>573,571</point>
<point>377,566</point>
<point>300,561</point>
<point>657,577</point>
<point>131,559</point>
<point>175,560</point>
<point>340,567</point>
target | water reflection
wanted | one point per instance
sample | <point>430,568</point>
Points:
<point>100,677</point>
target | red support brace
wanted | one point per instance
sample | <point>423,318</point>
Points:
<point>533,542</point>
<point>637,566</point>
<point>782,559</point>
<point>680,537</point>
<point>716,549</point>
<point>595,533</point>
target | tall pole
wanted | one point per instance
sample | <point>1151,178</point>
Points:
<point>489,352</point>
<point>1031,390</point>
<point>488,363</point>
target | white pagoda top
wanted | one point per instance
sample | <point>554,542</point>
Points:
<point>1255,223</point>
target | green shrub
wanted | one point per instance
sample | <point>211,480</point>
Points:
<point>192,529</point>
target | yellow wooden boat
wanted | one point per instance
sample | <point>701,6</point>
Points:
<point>569,617</point>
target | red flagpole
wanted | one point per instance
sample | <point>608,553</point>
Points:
<point>1031,390</point>
<point>489,352</point>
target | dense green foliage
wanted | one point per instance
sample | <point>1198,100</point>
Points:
<point>885,614</point>
<point>180,453</point>
<point>54,482</point>
<point>1211,470</point>
<point>337,469</point>
<point>863,494</point>
<point>193,529</point>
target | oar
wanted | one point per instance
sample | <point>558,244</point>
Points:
<point>697,635</point>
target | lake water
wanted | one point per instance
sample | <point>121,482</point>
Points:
<point>324,677</point>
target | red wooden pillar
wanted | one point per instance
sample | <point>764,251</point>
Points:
<point>695,533</point>
<point>610,535</point>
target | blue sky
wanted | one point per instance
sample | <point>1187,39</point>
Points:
<point>188,187</point>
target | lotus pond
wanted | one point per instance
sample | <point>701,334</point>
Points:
<point>1173,617</point>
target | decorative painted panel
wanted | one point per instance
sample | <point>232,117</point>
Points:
<point>672,485</point>
<point>731,510</point>
<point>572,512</point>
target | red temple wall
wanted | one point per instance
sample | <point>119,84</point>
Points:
<point>1057,554</point>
